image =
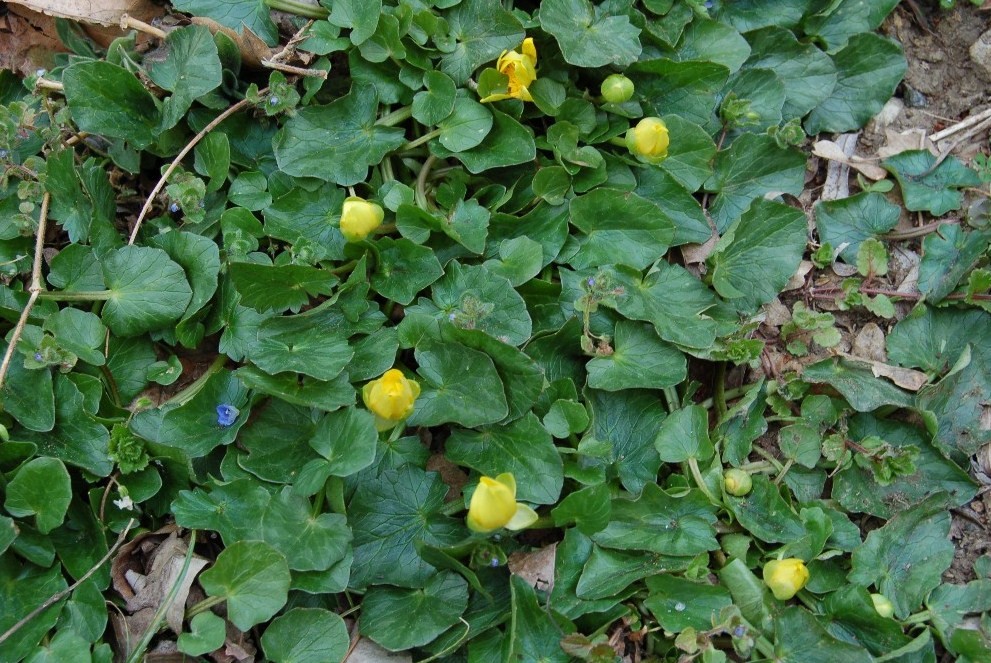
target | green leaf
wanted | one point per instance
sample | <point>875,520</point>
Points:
<point>450,393</point>
<point>689,162</point>
<point>929,185</point>
<point>711,41</point>
<point>471,296</point>
<point>81,197</point>
<point>479,32</point>
<point>659,522</point>
<point>388,517</point>
<point>385,612</point>
<point>509,143</point>
<point>679,604</point>
<point>20,587</point>
<point>753,166</point>
<point>844,19</point>
<point>77,438</point>
<point>308,542</point>
<point>799,638</point>
<point>249,190</point>
<point>949,604</point>
<point>747,15</point>
<point>589,509</point>
<point>809,74</point>
<point>403,269</point>
<point>627,421</point>
<point>235,14</point>
<point>856,382</point>
<point>190,69</point>
<point>279,287</point>
<point>337,142</point>
<point>206,634</point>
<point>758,254</point>
<point>79,332</point>
<point>292,343</point>
<point>200,259</point>
<point>28,397</point>
<point>276,441</point>
<point>849,221</point>
<point>523,448</point>
<point>589,37</point>
<point>108,100</point>
<point>947,257</point>
<point>362,16</point>
<point>309,213</point>
<point>299,390</point>
<point>234,509</point>
<point>611,572</point>
<point>765,514</point>
<point>41,488</point>
<point>253,578</point>
<point>437,101</point>
<point>677,303</point>
<point>147,290</point>
<point>533,634</point>
<point>306,635</point>
<point>466,126</point>
<point>907,556</point>
<point>520,260</point>
<point>853,615</point>
<point>620,228</point>
<point>691,87</point>
<point>8,532</point>
<point>936,340</point>
<point>346,439</point>
<point>66,646</point>
<point>685,435</point>
<point>640,360</point>
<point>868,70</point>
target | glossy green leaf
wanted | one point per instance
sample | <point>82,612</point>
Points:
<point>279,287</point>
<point>684,435</point>
<point>41,488</point>
<point>206,634</point>
<point>620,227</point>
<point>660,522</point>
<point>109,100</point>
<point>385,612</point>
<point>306,635</point>
<point>191,68</point>
<point>589,37</point>
<point>146,290</point>
<point>679,604</point>
<point>849,221</point>
<point>236,15</point>
<point>448,387</point>
<point>253,578</point>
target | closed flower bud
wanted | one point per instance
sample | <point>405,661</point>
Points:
<point>648,140</point>
<point>359,217</point>
<point>785,577</point>
<point>737,482</point>
<point>616,89</point>
<point>883,605</point>
<point>493,506</point>
<point>390,397</point>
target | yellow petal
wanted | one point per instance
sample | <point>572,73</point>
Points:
<point>492,505</point>
<point>785,577</point>
<point>509,481</point>
<point>391,396</point>
<point>359,217</point>
<point>529,50</point>
<point>523,518</point>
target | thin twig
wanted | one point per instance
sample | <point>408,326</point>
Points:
<point>960,126</point>
<point>920,231</point>
<point>55,598</point>
<point>179,157</point>
<point>35,288</point>
<point>128,22</point>
<point>832,293</point>
<point>298,71</point>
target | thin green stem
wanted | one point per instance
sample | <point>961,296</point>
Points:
<point>671,397</point>
<point>346,268</point>
<point>453,507</point>
<point>395,117</point>
<point>917,618</point>
<point>298,8</point>
<point>187,394</point>
<point>784,470</point>
<point>618,141</point>
<point>543,522</point>
<point>729,394</point>
<point>81,296</point>
<point>420,192</point>
<point>204,605</point>
<point>417,142</point>
<point>138,653</point>
<point>766,455</point>
<point>335,494</point>
<point>693,465</point>
<point>318,503</point>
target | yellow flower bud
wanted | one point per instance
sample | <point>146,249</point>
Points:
<point>737,482</point>
<point>785,577</point>
<point>493,505</point>
<point>648,140</point>
<point>520,69</point>
<point>359,217</point>
<point>390,397</point>
<point>616,89</point>
<point>883,605</point>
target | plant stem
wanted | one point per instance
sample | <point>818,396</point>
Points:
<point>671,397</point>
<point>346,268</point>
<point>417,142</point>
<point>719,393</point>
<point>298,8</point>
<point>194,388</point>
<point>395,117</point>
<point>729,394</point>
<point>204,605</point>
<point>697,474</point>
<point>762,452</point>
<point>335,494</point>
<point>420,192</point>
<point>81,296</point>
<point>784,470</point>
<point>618,141</point>
<point>917,618</point>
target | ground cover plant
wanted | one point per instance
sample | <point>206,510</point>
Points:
<point>487,331</point>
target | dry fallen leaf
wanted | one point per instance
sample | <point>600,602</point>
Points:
<point>827,149</point>
<point>537,568</point>
<point>101,12</point>
<point>906,378</point>
<point>367,651</point>
<point>253,49</point>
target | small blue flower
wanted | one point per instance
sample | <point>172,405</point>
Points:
<point>38,357</point>
<point>591,282</point>
<point>740,631</point>
<point>3,154</point>
<point>452,316</point>
<point>226,415</point>
<point>494,562</point>
<point>273,101</point>
<point>174,208</point>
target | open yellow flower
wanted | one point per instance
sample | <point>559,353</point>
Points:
<point>493,505</point>
<point>520,69</point>
<point>785,577</point>
<point>649,140</point>
<point>359,217</point>
<point>390,398</point>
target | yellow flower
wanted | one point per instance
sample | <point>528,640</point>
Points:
<point>785,577</point>
<point>520,69</point>
<point>883,605</point>
<point>649,140</point>
<point>737,482</point>
<point>390,398</point>
<point>493,505</point>
<point>359,217</point>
